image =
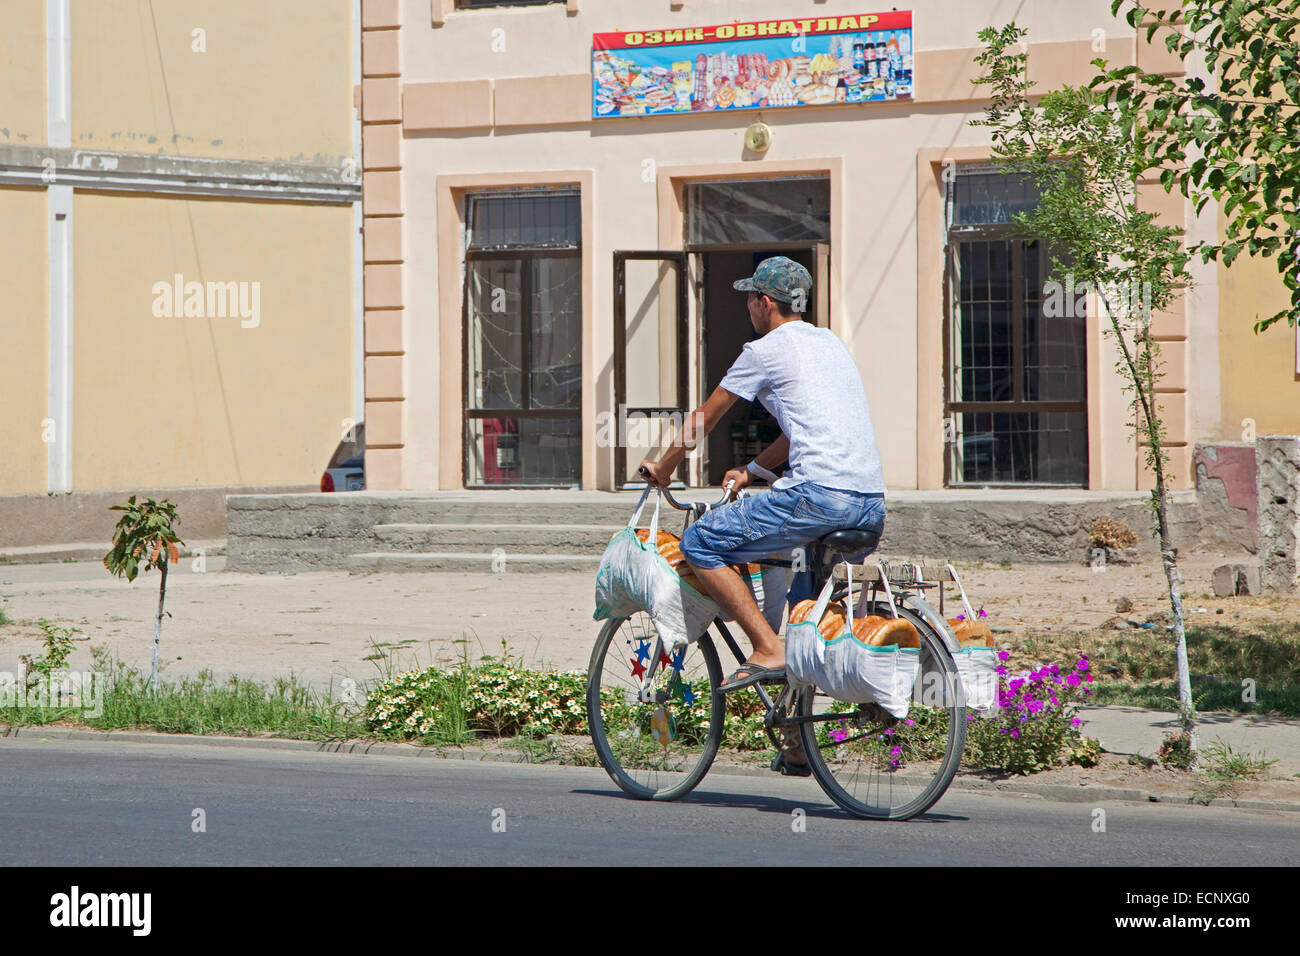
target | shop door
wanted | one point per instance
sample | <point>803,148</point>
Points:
<point>651,384</point>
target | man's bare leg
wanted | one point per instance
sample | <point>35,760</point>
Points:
<point>727,588</point>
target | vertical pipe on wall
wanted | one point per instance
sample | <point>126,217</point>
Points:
<point>58,43</point>
<point>358,248</point>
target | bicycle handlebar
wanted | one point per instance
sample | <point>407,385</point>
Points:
<point>698,507</point>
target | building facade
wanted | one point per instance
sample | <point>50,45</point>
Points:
<point>549,254</point>
<point>180,186</point>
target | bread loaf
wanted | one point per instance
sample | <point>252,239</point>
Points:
<point>670,546</point>
<point>873,630</point>
<point>833,623</point>
<point>876,631</point>
<point>971,633</point>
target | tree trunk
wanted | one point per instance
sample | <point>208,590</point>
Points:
<point>157,630</point>
<point>1186,710</point>
<point>1145,401</point>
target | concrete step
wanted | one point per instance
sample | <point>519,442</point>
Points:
<point>357,529</point>
<point>533,538</point>
<point>473,562</point>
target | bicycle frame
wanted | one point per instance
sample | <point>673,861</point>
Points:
<point>907,595</point>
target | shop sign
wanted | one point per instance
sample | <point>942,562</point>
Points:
<point>811,61</point>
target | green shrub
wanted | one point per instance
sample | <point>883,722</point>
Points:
<point>1176,750</point>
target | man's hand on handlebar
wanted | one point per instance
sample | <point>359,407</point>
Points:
<point>652,472</point>
<point>739,477</point>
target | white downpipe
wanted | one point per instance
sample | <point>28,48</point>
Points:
<point>58,48</point>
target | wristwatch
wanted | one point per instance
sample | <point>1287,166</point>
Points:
<point>754,468</point>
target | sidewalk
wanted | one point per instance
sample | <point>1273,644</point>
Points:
<point>321,625</point>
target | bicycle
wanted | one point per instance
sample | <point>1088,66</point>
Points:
<point>657,721</point>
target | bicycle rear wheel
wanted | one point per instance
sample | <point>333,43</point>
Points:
<point>659,750</point>
<point>881,772</point>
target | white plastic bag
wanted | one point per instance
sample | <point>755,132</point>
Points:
<point>979,679</point>
<point>847,669</point>
<point>976,665</point>
<point>634,577</point>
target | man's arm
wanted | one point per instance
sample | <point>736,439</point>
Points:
<point>768,458</point>
<point>775,453</point>
<point>694,430</point>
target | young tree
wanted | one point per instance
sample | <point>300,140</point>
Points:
<point>144,538</point>
<point>1232,139</point>
<point>1086,156</point>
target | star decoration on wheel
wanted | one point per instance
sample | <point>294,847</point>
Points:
<point>638,669</point>
<point>679,659</point>
<point>663,659</point>
<point>688,695</point>
<point>642,652</point>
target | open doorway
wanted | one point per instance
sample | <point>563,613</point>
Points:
<point>748,427</point>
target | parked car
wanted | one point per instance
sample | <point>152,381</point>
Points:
<point>346,470</point>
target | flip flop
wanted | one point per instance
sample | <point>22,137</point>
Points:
<point>756,672</point>
<point>788,768</point>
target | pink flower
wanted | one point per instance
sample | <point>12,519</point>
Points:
<point>1076,722</point>
<point>1004,655</point>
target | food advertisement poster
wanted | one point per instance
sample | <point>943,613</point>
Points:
<point>811,61</point>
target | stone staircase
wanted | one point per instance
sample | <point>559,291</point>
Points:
<point>402,532</point>
<point>540,530</point>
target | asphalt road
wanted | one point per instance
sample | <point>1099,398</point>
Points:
<point>120,803</point>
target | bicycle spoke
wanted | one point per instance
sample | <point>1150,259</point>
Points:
<point>890,769</point>
<point>652,748</point>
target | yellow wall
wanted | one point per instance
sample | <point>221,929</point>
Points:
<point>275,81</point>
<point>22,58</point>
<point>23,335</point>
<point>203,401</point>
<point>1257,372</point>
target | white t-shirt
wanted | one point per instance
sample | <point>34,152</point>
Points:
<point>806,378</point>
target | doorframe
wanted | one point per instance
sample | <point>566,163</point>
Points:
<point>931,362</point>
<point>442,400</point>
<point>621,256</point>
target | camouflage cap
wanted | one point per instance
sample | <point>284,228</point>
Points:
<point>781,278</point>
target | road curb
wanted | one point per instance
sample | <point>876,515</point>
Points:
<point>1058,793</point>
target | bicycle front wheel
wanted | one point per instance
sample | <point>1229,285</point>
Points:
<point>881,772</point>
<point>657,750</point>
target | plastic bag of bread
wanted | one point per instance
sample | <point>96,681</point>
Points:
<point>768,584</point>
<point>856,660</point>
<point>634,576</point>
<point>976,661</point>
<point>977,657</point>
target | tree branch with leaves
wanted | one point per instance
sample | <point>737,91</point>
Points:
<point>1235,139</point>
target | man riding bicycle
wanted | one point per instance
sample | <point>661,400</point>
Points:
<point>806,378</point>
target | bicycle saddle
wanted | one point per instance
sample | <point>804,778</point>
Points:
<point>847,542</point>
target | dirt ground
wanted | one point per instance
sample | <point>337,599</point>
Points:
<point>323,625</point>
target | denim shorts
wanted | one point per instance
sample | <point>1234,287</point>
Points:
<point>776,523</point>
